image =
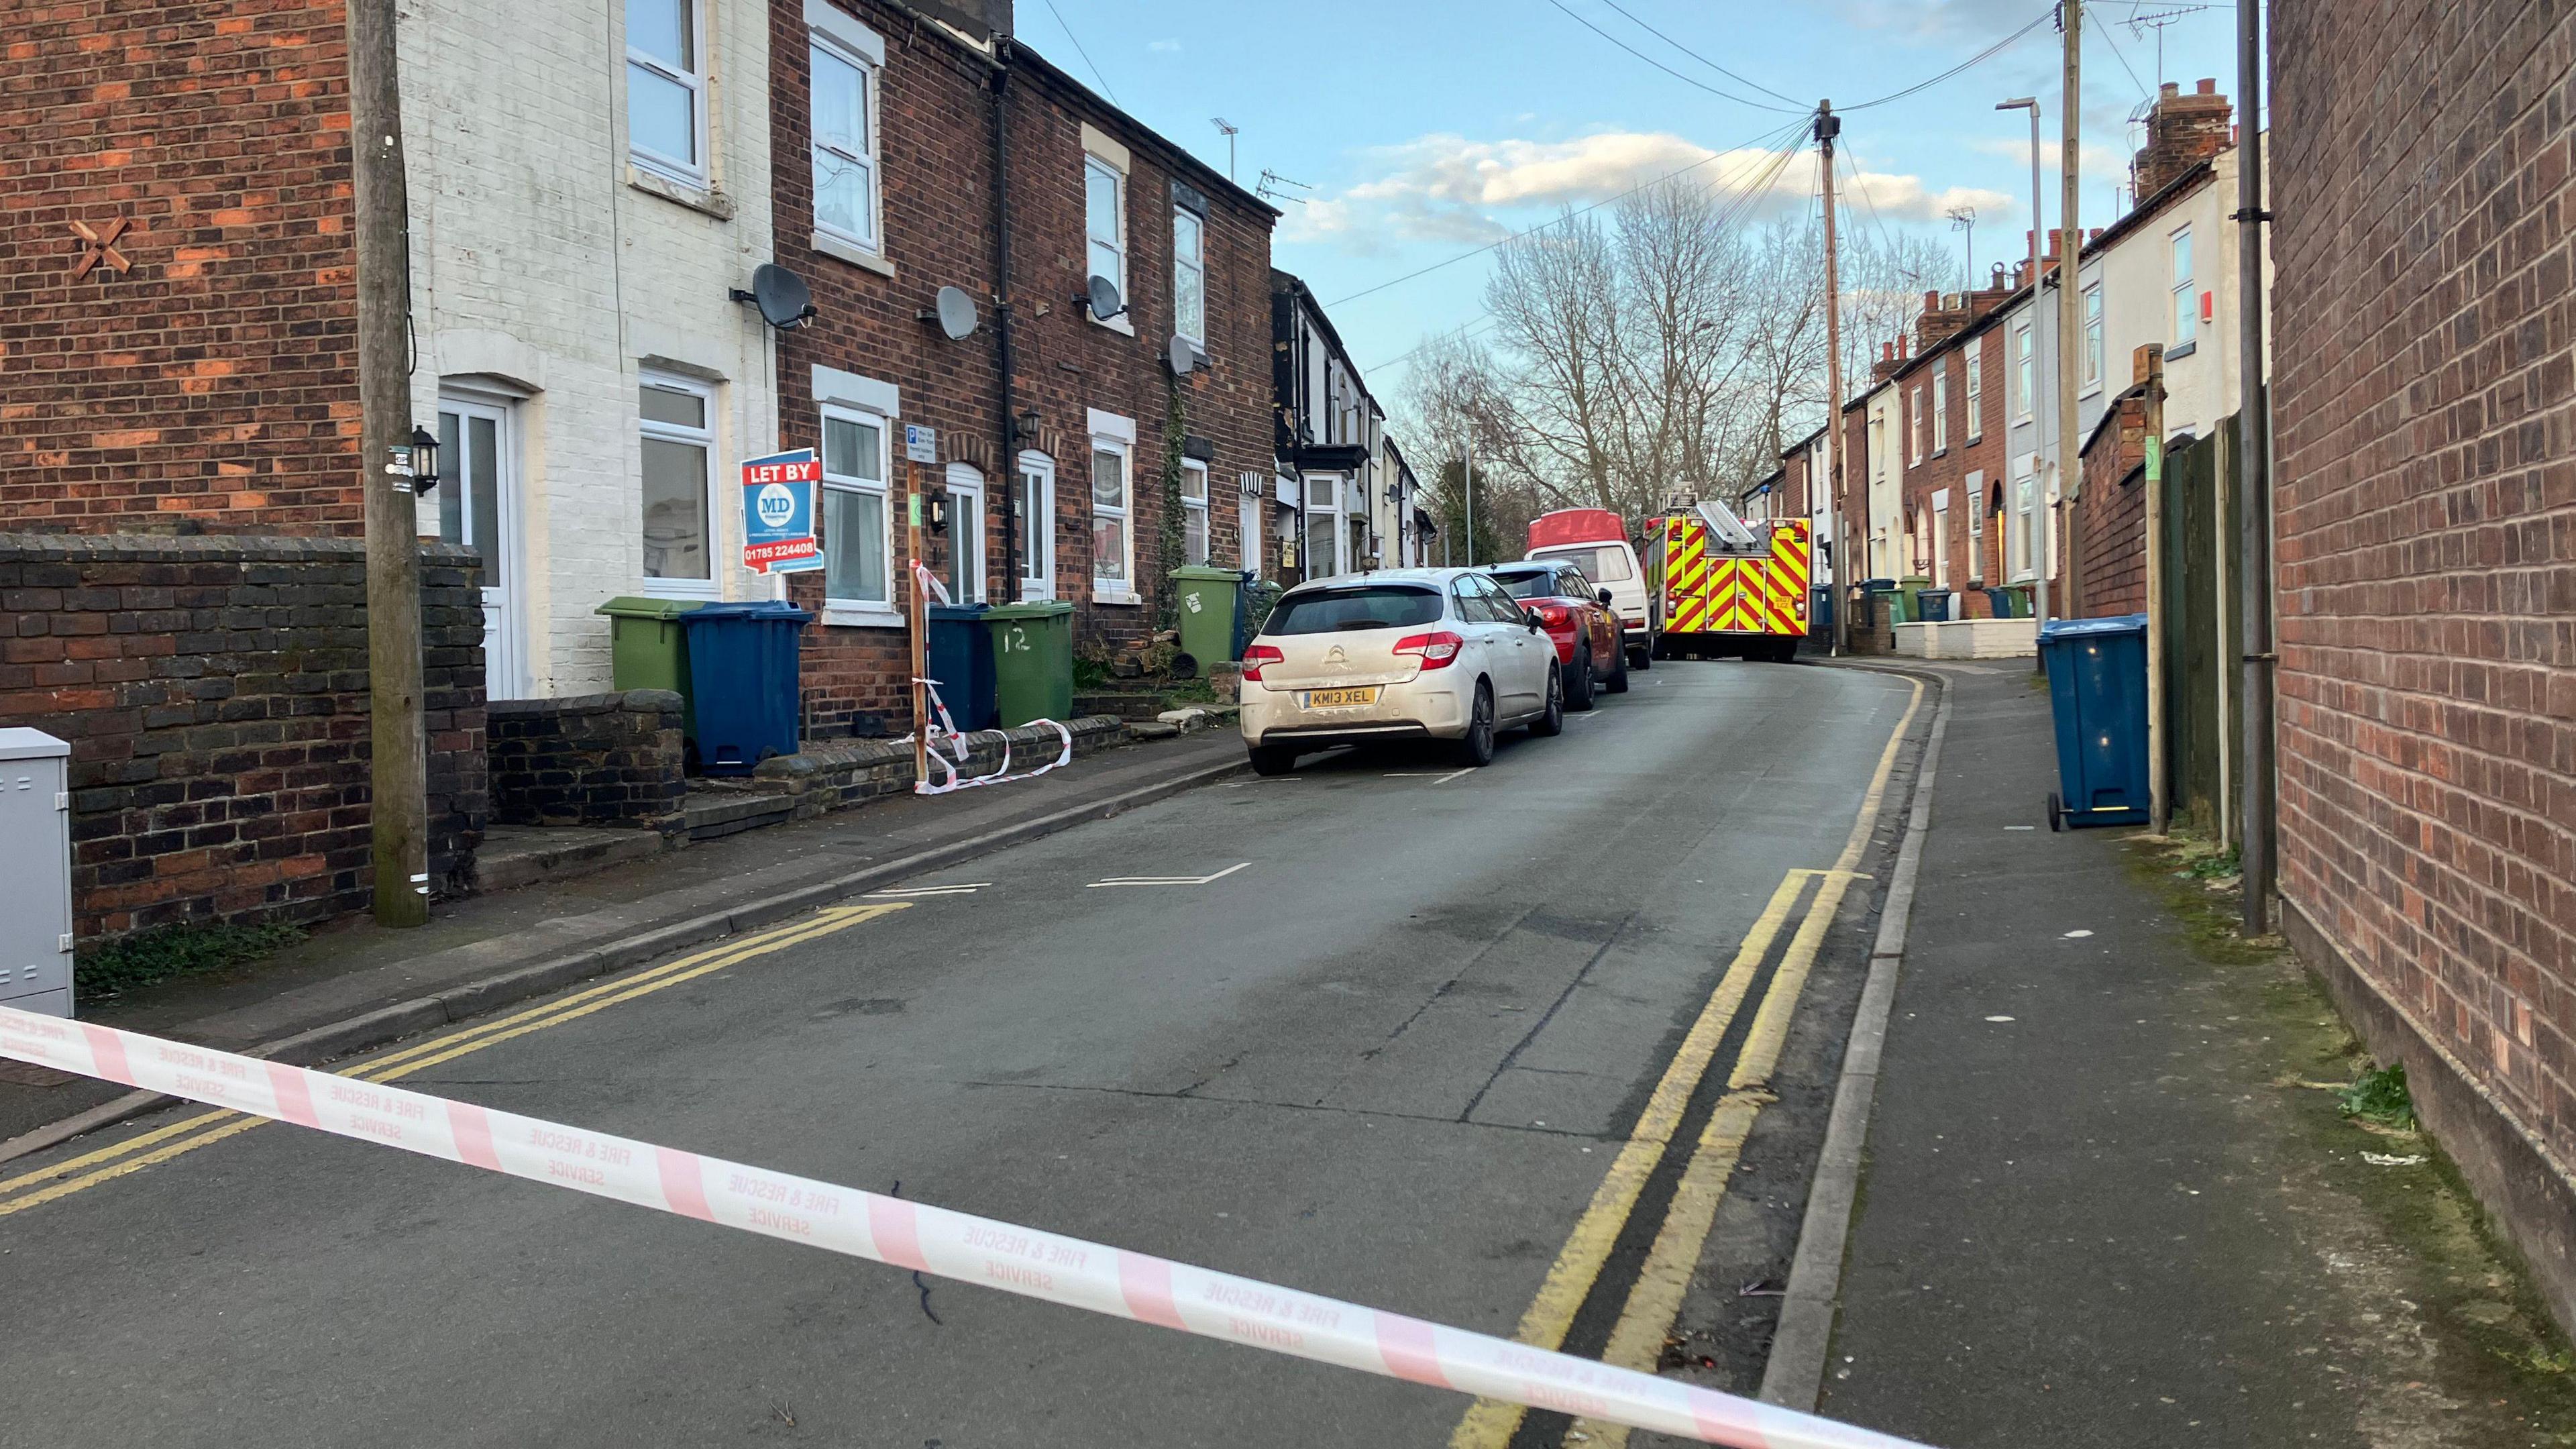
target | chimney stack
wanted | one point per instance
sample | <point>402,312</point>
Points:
<point>2182,132</point>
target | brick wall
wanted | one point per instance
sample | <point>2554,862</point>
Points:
<point>2425,415</point>
<point>592,759</point>
<point>213,380</point>
<point>1948,466</point>
<point>214,691</point>
<point>2110,518</point>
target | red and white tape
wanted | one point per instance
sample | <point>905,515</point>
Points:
<point>946,728</point>
<point>1026,1261</point>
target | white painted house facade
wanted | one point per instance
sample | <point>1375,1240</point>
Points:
<point>588,185</point>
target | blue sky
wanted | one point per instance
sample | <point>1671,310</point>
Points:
<point>1427,127</point>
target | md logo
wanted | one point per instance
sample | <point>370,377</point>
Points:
<point>777,505</point>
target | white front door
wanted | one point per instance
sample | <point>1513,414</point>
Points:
<point>478,505</point>
<point>965,533</point>
<point>1035,499</point>
<point>1941,539</point>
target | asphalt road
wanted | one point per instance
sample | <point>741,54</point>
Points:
<point>1388,1056</point>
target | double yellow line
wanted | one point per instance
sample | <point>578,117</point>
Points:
<point>1655,1299</point>
<point>62,1179</point>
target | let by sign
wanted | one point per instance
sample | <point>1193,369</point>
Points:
<point>778,507</point>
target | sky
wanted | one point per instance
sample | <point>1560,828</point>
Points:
<point>1425,129</point>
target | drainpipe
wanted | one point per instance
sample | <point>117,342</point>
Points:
<point>1010,464</point>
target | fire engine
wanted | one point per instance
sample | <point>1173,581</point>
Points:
<point>1729,587</point>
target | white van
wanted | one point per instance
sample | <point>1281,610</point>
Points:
<point>1596,540</point>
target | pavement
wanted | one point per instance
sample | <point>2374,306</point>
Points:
<point>353,985</point>
<point>2106,1202</point>
<point>1377,1030</point>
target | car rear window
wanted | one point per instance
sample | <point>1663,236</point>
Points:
<point>1541,584</point>
<point>1607,563</point>
<point>1369,606</point>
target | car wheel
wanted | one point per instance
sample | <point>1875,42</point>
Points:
<point>1618,681</point>
<point>1551,721</point>
<point>1643,658</point>
<point>1273,759</point>
<point>1578,695</point>
<point>1476,749</point>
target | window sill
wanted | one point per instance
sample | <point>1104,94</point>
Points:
<point>2091,389</point>
<point>1118,323</point>
<point>1120,597</point>
<point>852,252</point>
<point>1940,453</point>
<point>861,616</point>
<point>2182,349</point>
<point>683,193</point>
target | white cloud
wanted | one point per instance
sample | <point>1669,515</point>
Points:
<point>1448,188</point>
<point>1164,47</point>
<point>2102,162</point>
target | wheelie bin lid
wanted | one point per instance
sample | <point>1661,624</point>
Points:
<point>2112,627</point>
<point>762,609</point>
<point>631,606</point>
<point>955,613</point>
<point>1208,573</point>
<point>1034,609</point>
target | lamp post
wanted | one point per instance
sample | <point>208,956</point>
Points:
<point>2038,370</point>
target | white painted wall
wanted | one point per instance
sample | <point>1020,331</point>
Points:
<point>543,260</point>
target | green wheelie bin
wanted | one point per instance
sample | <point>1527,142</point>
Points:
<point>1208,598</point>
<point>1032,661</point>
<point>648,648</point>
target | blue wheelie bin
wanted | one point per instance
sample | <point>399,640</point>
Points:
<point>744,669</point>
<point>961,659</point>
<point>2097,689</point>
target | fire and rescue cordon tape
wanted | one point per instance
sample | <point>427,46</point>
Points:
<point>1026,1261</point>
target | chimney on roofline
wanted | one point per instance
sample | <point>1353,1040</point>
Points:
<point>2182,132</point>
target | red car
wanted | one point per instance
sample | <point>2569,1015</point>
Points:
<point>1577,616</point>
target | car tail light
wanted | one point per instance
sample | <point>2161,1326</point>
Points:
<point>1257,656</point>
<point>1553,615</point>
<point>1435,650</point>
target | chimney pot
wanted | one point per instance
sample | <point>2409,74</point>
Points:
<point>1887,352</point>
<point>2094,235</point>
<point>2208,86</point>
<point>2168,90</point>
<point>1931,301</point>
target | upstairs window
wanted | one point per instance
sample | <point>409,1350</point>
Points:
<point>1941,407</point>
<point>1914,435</point>
<point>666,87</point>
<point>1104,216</point>
<point>2023,375</point>
<point>845,144</point>
<point>2185,322</point>
<point>1976,393</point>
<point>2093,335</point>
<point>1189,276</point>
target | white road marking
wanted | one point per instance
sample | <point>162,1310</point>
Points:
<point>1167,880</point>
<point>964,888</point>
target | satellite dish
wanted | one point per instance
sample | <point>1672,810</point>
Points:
<point>1180,355</point>
<point>781,295</point>
<point>1101,296</point>
<point>956,314</point>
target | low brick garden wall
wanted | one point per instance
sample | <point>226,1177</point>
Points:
<point>214,692</point>
<point>594,759</point>
<point>834,775</point>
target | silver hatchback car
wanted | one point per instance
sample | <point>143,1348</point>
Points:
<point>1439,654</point>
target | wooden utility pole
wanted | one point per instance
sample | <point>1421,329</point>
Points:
<point>920,619</point>
<point>399,765</point>
<point>2070,305</point>
<point>1828,126</point>
<point>2150,369</point>
<point>2254,507</point>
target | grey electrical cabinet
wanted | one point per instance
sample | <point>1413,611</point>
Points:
<point>35,873</point>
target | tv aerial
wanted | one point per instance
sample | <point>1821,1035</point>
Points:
<point>955,313</point>
<point>1275,187</point>
<point>785,302</point>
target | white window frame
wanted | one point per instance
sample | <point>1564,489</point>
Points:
<point>1941,539</point>
<point>968,569</point>
<point>2091,313</point>
<point>845,42</point>
<point>2026,509</point>
<point>1197,512</point>
<point>1915,430</point>
<point>695,82</point>
<point>1975,491</point>
<point>2186,308</point>
<point>1941,407</point>
<point>1111,433</point>
<point>1183,265</point>
<point>866,613</point>
<point>1976,390</point>
<point>703,438</point>
<point>2024,380</point>
<point>1037,524</point>
<point>1095,163</point>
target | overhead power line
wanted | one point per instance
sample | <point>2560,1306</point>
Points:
<point>1766,140</point>
<point>1695,55</point>
<point>1980,58</point>
<point>1668,70</point>
<point>1086,55</point>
